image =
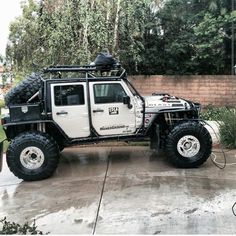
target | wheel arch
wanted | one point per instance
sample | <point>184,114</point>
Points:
<point>48,127</point>
<point>164,121</point>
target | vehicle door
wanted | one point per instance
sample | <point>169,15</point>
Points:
<point>70,108</point>
<point>110,116</point>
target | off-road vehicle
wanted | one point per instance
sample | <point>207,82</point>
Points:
<point>68,105</point>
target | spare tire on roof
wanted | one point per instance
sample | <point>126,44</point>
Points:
<point>22,92</point>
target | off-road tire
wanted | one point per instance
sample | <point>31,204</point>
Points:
<point>47,146</point>
<point>24,90</point>
<point>61,148</point>
<point>192,129</point>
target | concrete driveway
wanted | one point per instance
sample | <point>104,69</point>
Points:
<point>124,190</point>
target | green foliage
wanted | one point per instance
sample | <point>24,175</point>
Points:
<point>228,128</point>
<point>2,103</point>
<point>149,37</point>
<point>18,76</point>
<point>14,228</point>
<point>2,134</point>
<point>196,36</point>
<point>71,33</point>
<point>213,113</point>
<point>3,137</point>
<point>210,54</point>
<point>226,118</point>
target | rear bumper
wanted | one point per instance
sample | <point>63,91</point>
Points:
<point>1,154</point>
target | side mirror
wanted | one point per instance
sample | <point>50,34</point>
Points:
<point>126,100</point>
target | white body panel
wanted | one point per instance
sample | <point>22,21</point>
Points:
<point>75,123</point>
<point>158,103</point>
<point>155,103</point>
<point>114,118</point>
<point>109,115</point>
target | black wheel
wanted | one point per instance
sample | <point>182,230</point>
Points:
<point>32,156</point>
<point>24,90</point>
<point>188,145</point>
<point>61,148</point>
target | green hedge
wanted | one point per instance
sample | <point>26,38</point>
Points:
<point>213,113</point>
<point>226,118</point>
<point>228,128</point>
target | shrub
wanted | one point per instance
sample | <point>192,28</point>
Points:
<point>212,113</point>
<point>2,103</point>
<point>14,228</point>
<point>227,128</point>
<point>226,118</point>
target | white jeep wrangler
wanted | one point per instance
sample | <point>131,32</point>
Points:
<point>48,114</point>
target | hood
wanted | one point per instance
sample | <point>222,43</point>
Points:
<point>162,102</point>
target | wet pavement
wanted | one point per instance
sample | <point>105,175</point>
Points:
<point>124,190</point>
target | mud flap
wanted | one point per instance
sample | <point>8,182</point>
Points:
<point>1,154</point>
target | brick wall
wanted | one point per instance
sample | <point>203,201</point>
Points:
<point>218,90</point>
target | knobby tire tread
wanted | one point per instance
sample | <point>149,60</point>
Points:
<point>50,150</point>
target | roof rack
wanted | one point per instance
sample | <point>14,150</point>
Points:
<point>77,68</point>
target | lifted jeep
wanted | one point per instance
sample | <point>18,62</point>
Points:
<point>98,104</point>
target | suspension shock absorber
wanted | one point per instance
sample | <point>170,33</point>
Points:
<point>168,118</point>
<point>41,127</point>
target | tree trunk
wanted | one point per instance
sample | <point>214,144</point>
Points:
<point>85,38</point>
<point>115,39</point>
<point>107,22</point>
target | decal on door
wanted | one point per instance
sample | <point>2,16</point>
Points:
<point>112,127</point>
<point>126,127</point>
<point>113,110</point>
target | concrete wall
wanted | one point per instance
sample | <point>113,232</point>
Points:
<point>218,90</point>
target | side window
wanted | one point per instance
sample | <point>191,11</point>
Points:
<point>69,95</point>
<point>108,93</point>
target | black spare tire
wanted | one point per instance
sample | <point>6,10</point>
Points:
<point>22,92</point>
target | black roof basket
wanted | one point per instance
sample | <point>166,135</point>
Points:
<point>88,70</point>
<point>77,68</point>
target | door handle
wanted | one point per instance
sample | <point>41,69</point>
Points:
<point>98,110</point>
<point>62,113</point>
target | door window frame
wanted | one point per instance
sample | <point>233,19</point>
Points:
<point>107,83</point>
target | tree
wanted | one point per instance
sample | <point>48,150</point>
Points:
<point>196,36</point>
<point>147,36</point>
<point>210,38</point>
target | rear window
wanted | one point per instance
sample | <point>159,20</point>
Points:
<point>69,95</point>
